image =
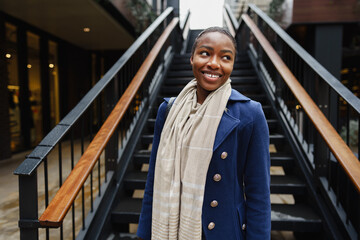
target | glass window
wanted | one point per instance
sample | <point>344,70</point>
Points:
<point>13,86</point>
<point>54,84</point>
<point>33,65</point>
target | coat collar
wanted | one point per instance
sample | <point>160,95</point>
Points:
<point>236,96</point>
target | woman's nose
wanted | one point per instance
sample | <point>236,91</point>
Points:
<point>214,63</point>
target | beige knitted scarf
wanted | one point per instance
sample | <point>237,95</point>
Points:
<point>183,157</point>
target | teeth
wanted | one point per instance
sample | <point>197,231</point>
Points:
<point>212,75</point>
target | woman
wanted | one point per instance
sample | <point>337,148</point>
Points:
<point>209,172</point>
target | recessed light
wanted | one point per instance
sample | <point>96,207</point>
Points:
<point>29,66</point>
<point>86,29</point>
<point>8,55</point>
<point>51,65</point>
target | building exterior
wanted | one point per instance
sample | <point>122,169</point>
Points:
<point>52,53</point>
<point>330,32</point>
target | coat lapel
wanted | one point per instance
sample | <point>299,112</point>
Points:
<point>228,122</point>
<point>226,125</point>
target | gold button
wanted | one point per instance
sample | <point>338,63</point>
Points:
<point>214,203</point>
<point>211,225</point>
<point>224,155</point>
<point>217,177</point>
<point>243,227</point>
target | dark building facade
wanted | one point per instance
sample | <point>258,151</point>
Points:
<point>45,70</point>
<point>330,32</point>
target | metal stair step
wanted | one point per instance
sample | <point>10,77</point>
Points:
<point>267,110</point>
<point>142,156</point>
<point>127,211</point>
<point>128,236</point>
<point>147,138</point>
<point>284,184</point>
<point>281,159</point>
<point>135,180</point>
<point>298,217</point>
<point>151,122</point>
<point>272,124</point>
<point>277,139</point>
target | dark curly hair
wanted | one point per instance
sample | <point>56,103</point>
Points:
<point>213,29</point>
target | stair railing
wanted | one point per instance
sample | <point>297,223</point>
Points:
<point>94,172</point>
<point>295,82</point>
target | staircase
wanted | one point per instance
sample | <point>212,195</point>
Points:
<point>291,204</point>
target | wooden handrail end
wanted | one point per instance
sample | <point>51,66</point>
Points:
<point>49,224</point>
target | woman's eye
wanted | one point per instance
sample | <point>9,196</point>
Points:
<point>204,53</point>
<point>227,57</point>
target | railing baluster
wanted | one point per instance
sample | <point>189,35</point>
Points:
<point>60,182</point>
<point>83,207</point>
<point>347,200</point>
<point>347,125</point>
<point>72,166</point>
<point>91,174</point>
<point>358,137</point>
<point>46,186</point>
<point>60,164</point>
<point>91,192</point>
<point>338,184</point>
<point>99,177</point>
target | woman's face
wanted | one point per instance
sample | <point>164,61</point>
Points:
<point>212,62</point>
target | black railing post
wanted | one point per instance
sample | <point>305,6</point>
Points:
<point>321,152</point>
<point>244,41</point>
<point>260,50</point>
<point>112,150</point>
<point>28,207</point>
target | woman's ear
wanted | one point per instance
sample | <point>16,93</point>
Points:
<point>191,60</point>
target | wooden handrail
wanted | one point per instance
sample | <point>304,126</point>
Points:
<point>337,146</point>
<point>228,23</point>
<point>310,61</point>
<point>230,20</point>
<point>55,213</point>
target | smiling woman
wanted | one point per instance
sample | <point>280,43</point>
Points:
<point>213,140</point>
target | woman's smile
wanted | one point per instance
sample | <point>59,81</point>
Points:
<point>212,76</point>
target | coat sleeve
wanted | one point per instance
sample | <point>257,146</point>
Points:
<point>257,179</point>
<point>144,228</point>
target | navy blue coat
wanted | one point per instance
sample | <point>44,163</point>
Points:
<point>241,156</point>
